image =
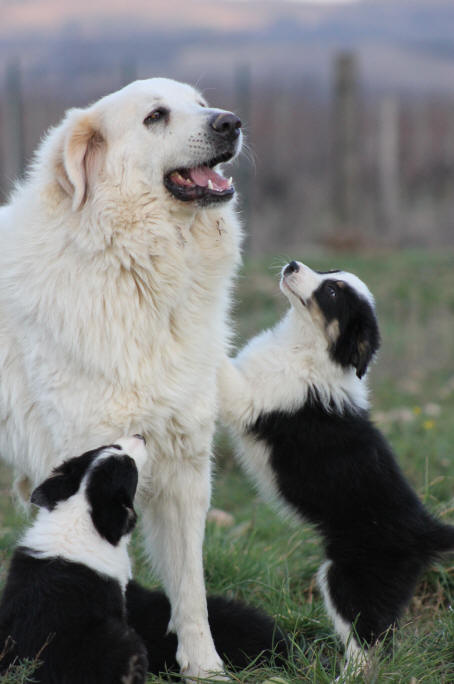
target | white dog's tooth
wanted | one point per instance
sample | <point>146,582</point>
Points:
<point>210,184</point>
<point>177,177</point>
<point>229,181</point>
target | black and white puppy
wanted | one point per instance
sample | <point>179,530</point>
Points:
<point>297,398</point>
<point>69,600</point>
<point>64,597</point>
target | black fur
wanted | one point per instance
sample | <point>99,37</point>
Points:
<point>338,472</point>
<point>82,616</point>
<point>241,633</point>
<point>359,338</point>
<point>64,481</point>
<point>110,493</point>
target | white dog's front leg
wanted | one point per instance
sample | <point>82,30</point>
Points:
<point>174,525</point>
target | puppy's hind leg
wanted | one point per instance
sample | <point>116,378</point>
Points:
<point>356,656</point>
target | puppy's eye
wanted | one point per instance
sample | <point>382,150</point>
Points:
<point>157,114</point>
<point>331,291</point>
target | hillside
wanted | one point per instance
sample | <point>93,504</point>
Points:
<point>404,44</point>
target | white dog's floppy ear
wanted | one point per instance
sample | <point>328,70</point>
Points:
<point>82,155</point>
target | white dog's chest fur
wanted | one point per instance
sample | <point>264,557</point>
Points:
<point>132,346</point>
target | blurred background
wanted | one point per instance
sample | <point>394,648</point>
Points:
<point>348,107</point>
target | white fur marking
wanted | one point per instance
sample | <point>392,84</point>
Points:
<point>68,532</point>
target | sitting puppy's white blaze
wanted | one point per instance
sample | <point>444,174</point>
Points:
<point>65,527</point>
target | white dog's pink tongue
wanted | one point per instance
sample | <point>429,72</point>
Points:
<point>206,177</point>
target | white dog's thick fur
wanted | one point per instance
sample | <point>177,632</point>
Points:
<point>114,298</point>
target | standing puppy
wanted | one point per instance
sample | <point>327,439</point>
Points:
<point>297,397</point>
<point>65,594</point>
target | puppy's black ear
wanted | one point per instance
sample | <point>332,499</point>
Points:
<point>362,356</point>
<point>358,340</point>
<point>42,496</point>
<point>64,481</point>
<point>110,491</point>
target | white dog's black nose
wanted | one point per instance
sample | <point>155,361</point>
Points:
<point>226,124</point>
<point>292,267</point>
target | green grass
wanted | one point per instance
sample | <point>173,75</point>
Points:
<point>272,564</point>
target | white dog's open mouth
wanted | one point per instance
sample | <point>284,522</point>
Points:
<point>201,183</point>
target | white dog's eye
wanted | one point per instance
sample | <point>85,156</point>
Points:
<point>156,115</point>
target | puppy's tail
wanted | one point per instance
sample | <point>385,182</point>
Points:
<point>241,633</point>
<point>442,539</point>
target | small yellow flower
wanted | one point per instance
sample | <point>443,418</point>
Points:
<point>428,424</point>
<point>416,410</point>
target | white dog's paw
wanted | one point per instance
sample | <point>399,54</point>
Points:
<point>205,664</point>
<point>206,676</point>
<point>195,673</point>
<point>197,656</point>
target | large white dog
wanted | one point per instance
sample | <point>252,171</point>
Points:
<point>116,260</point>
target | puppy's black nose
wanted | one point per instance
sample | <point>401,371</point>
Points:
<point>141,437</point>
<point>226,124</point>
<point>292,267</point>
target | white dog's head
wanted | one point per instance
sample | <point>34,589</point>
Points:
<point>339,304</point>
<point>156,137</point>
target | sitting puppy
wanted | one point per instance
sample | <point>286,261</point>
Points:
<point>64,595</point>
<point>69,601</point>
<point>297,397</point>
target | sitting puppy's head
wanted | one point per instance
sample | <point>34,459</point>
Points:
<point>104,480</point>
<point>341,305</point>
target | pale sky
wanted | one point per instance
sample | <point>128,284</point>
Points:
<point>314,2</point>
